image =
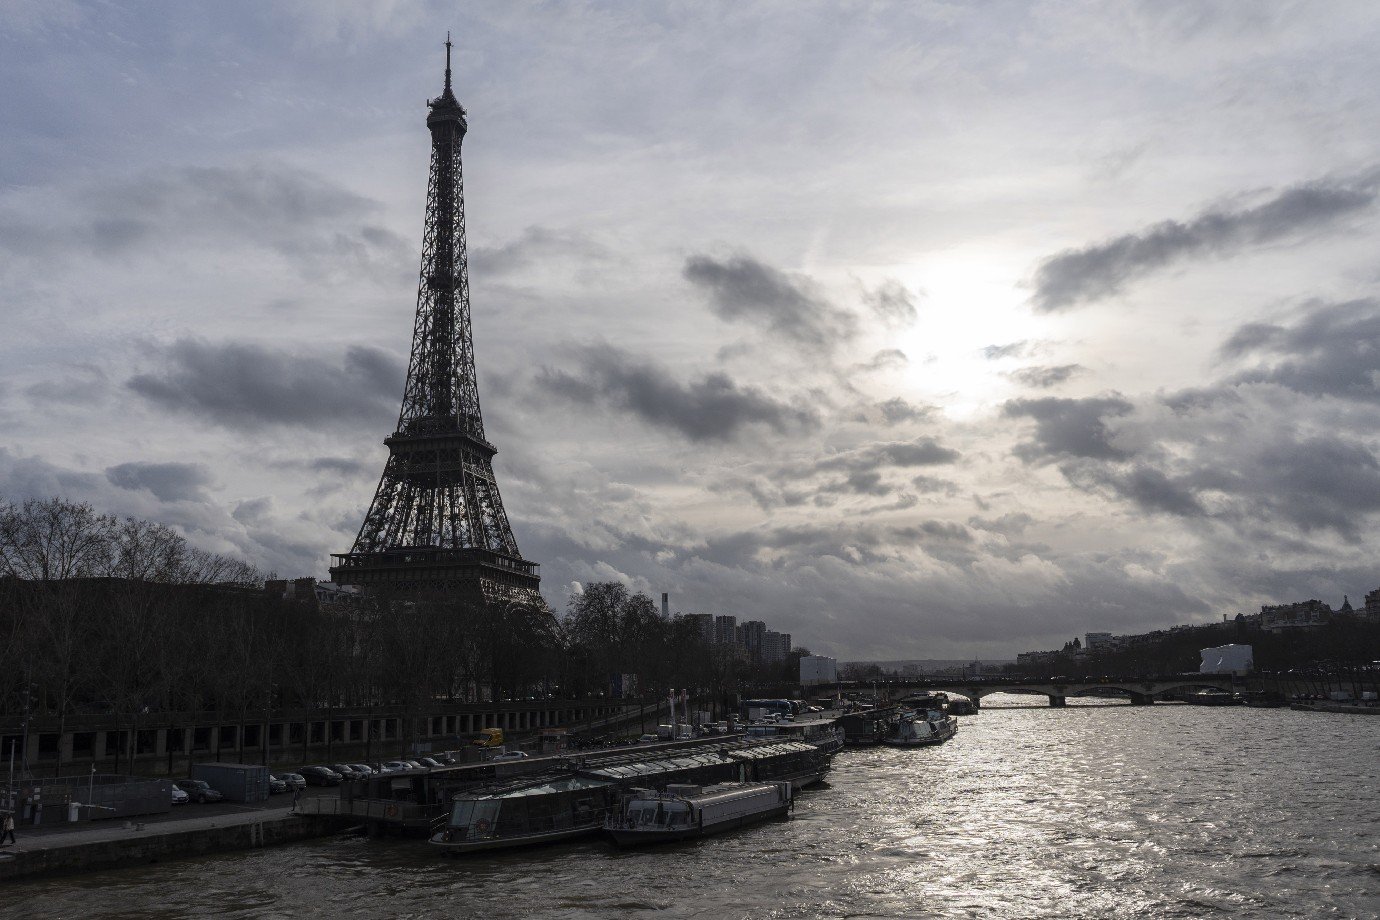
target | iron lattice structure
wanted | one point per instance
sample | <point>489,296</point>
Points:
<point>437,520</point>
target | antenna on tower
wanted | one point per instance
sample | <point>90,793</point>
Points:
<point>447,61</point>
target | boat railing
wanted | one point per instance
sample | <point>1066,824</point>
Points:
<point>375,809</point>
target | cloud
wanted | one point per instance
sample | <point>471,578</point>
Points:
<point>83,385</point>
<point>711,408</point>
<point>1044,377</point>
<point>886,359</point>
<point>169,482</point>
<point>892,303</point>
<point>1273,481</point>
<point>314,223</point>
<point>741,288</point>
<point>1333,350</point>
<point>1010,350</point>
<point>1148,488</point>
<point>1068,427</point>
<point>535,245</point>
<point>858,471</point>
<point>1078,276</point>
<point>344,466</point>
<point>244,385</point>
<point>896,410</point>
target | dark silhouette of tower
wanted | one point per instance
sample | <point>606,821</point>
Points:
<point>437,521</point>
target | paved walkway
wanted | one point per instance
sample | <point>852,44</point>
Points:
<point>182,818</point>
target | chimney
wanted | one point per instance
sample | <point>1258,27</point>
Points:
<point>665,605</point>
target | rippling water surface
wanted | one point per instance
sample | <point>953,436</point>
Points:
<point>1099,811</point>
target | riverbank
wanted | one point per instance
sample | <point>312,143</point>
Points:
<point>117,843</point>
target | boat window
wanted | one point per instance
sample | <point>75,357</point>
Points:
<point>460,813</point>
<point>484,821</point>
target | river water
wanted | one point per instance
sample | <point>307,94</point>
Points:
<point>1098,810</point>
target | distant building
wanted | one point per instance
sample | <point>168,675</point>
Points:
<point>818,669</point>
<point>725,630</point>
<point>1227,659</point>
<point>1098,641</point>
<point>1302,615</point>
<point>704,623</point>
<point>776,647</point>
<point>750,637</point>
<point>1372,608</point>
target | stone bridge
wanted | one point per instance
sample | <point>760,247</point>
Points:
<point>1140,691</point>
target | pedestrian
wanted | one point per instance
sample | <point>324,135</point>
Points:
<point>296,796</point>
<point>7,828</point>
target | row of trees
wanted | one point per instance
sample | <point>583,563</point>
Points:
<point>125,618</point>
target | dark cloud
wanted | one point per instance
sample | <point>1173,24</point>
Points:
<point>892,303</point>
<point>1081,275</point>
<point>741,288</point>
<point>169,482</point>
<point>1068,427</point>
<point>712,408</point>
<point>253,512</point>
<point>942,530</point>
<point>535,245</point>
<point>1282,483</point>
<point>23,477</point>
<point>79,386</point>
<point>883,360</point>
<point>313,222</point>
<point>1334,350</point>
<point>1009,350</point>
<point>245,385</point>
<point>1044,377</point>
<point>896,410</point>
<point>1148,488</point>
<point>344,466</point>
<point>923,451</point>
<point>860,482</point>
<point>860,471</point>
<point>934,484</point>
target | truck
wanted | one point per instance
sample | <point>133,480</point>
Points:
<point>489,738</point>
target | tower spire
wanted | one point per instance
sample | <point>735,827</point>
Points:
<point>447,62</point>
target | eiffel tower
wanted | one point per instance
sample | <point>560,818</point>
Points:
<point>437,522</point>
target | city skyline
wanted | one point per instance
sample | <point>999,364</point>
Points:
<point>913,330</point>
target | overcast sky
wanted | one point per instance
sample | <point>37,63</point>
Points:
<point>918,330</point>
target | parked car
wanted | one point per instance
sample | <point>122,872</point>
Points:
<point>363,769</point>
<point>276,784</point>
<point>294,781</point>
<point>414,765</point>
<point>430,762</point>
<point>395,766</point>
<point>320,776</point>
<point>199,790</point>
<point>346,770</point>
<point>510,755</point>
<point>648,739</point>
<point>179,797</point>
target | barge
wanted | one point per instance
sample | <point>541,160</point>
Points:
<point>685,812</point>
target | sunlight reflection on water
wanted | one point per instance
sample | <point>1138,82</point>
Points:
<point>1090,811</point>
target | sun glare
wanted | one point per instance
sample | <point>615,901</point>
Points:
<point>971,302</point>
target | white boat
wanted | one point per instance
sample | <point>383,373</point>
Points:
<point>918,729</point>
<point>684,811</point>
<point>822,730</point>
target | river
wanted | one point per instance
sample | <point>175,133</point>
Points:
<point>1098,810</point>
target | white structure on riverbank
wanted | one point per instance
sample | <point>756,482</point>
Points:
<point>1227,659</point>
<point>818,669</point>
